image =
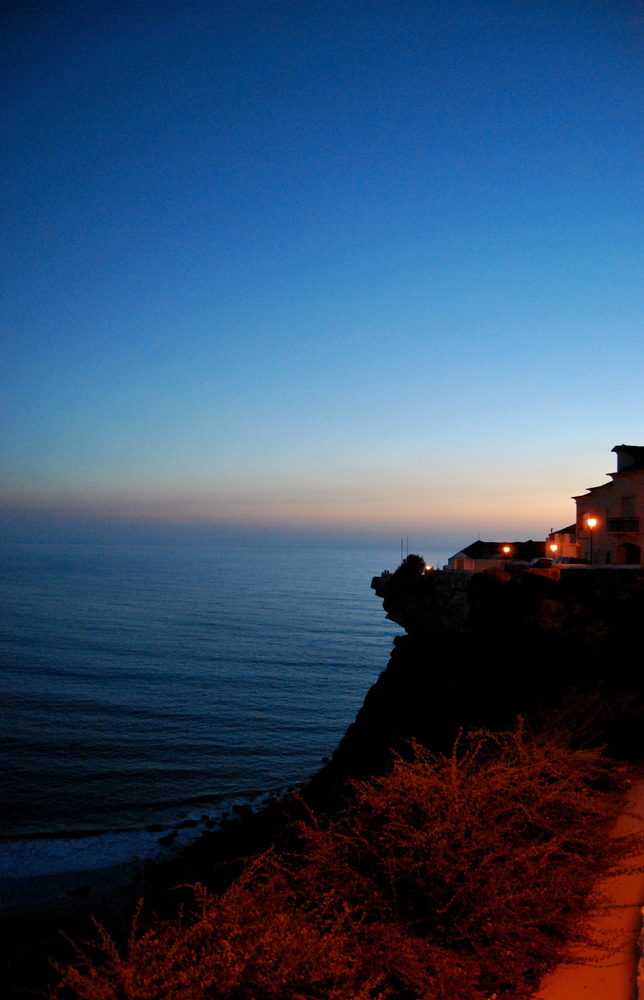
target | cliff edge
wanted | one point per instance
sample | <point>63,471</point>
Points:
<point>480,649</point>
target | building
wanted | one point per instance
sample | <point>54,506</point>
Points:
<point>563,543</point>
<point>486,555</point>
<point>609,516</point>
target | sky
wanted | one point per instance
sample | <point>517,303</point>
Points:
<point>327,268</point>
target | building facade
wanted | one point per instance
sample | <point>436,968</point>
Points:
<point>563,543</point>
<point>609,516</point>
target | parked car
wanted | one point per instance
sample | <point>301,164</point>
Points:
<point>570,561</point>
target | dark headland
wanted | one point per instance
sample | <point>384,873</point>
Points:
<point>479,650</point>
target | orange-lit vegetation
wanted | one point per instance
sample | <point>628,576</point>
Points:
<point>451,877</point>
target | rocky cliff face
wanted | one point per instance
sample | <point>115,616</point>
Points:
<point>483,648</point>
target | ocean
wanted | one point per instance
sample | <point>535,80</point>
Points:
<point>148,689</point>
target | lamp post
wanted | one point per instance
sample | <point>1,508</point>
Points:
<point>591,522</point>
<point>553,548</point>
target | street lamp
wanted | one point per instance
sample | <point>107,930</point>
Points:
<point>591,522</point>
<point>553,548</point>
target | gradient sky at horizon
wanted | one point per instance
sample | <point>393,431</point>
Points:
<point>358,267</point>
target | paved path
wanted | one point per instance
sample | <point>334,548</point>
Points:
<point>609,971</point>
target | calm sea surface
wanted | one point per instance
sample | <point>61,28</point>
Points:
<point>147,685</point>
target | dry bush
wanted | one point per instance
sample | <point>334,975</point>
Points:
<point>485,854</point>
<point>591,716</point>
<point>449,877</point>
<point>253,942</point>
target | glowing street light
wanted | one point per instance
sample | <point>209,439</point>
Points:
<point>553,548</point>
<point>591,522</point>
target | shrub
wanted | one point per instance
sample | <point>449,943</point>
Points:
<point>253,942</point>
<point>450,876</point>
<point>486,853</point>
<point>412,565</point>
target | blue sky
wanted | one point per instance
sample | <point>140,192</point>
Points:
<point>351,267</point>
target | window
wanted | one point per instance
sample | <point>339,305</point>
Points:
<point>628,507</point>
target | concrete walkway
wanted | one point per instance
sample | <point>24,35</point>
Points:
<point>609,971</point>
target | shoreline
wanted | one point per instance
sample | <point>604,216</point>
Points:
<point>41,915</point>
<point>88,884</point>
<point>76,855</point>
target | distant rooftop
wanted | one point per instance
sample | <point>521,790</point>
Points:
<point>493,550</point>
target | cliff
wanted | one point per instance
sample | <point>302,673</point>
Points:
<point>479,650</point>
<point>483,648</point>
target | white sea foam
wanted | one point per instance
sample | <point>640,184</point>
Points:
<point>43,856</point>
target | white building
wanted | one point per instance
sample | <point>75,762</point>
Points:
<point>609,516</point>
